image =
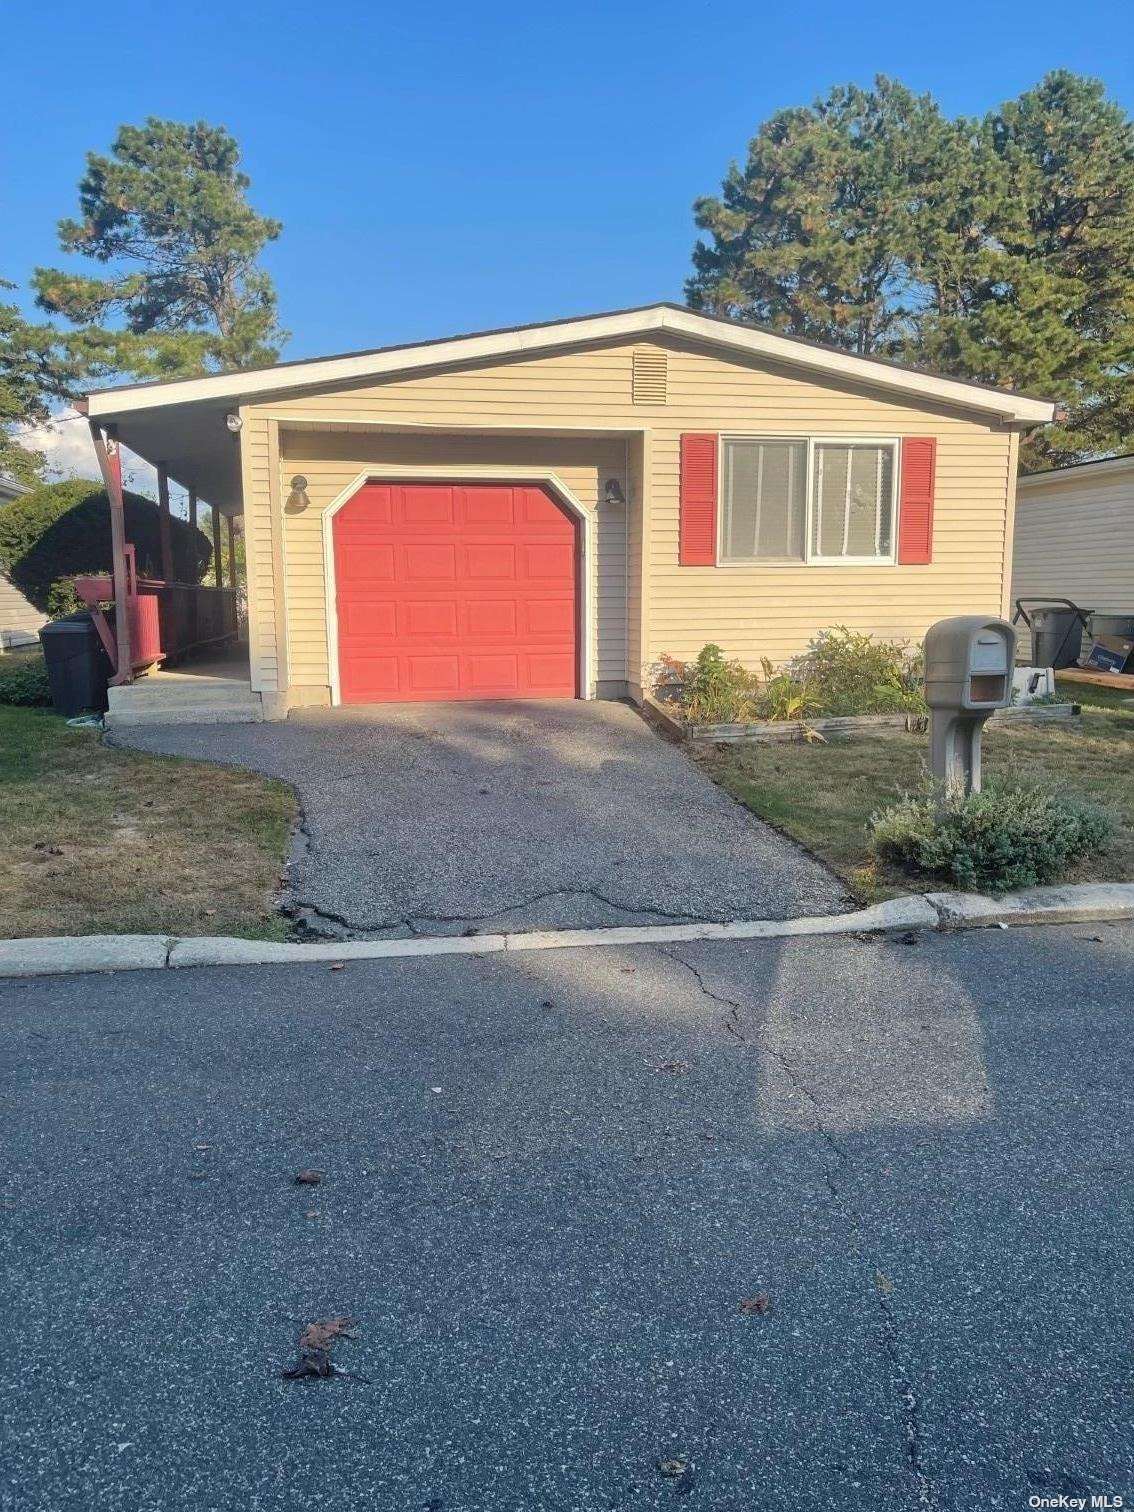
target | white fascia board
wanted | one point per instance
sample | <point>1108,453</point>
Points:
<point>462,349</point>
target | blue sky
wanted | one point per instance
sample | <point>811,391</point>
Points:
<point>453,166</point>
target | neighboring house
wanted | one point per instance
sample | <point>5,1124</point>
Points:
<point>543,511</point>
<point>19,620</point>
<point>1075,535</point>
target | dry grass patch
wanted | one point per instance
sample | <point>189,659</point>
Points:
<point>99,840</point>
<point>823,796</point>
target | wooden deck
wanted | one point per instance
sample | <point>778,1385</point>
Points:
<point>1121,680</point>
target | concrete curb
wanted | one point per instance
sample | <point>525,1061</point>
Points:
<point>1090,902</point>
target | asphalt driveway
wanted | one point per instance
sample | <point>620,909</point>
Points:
<point>549,1182</point>
<point>447,818</point>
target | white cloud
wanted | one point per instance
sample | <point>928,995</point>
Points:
<point>65,441</point>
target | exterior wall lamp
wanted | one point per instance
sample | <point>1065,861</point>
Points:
<point>297,500</point>
<point>612,493</point>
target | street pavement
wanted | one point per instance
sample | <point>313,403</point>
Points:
<point>549,1183</point>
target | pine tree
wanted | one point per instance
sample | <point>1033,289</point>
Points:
<point>166,211</point>
<point>812,236</point>
<point>34,372</point>
<point>998,250</point>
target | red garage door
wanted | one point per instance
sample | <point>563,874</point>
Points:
<point>455,591</point>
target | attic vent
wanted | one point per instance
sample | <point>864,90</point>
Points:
<point>649,376</point>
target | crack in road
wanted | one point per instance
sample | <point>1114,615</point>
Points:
<point>732,1023</point>
<point>908,1397</point>
<point>911,1405</point>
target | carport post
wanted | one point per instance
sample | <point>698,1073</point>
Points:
<point>217,568</point>
<point>231,521</point>
<point>163,523</point>
<point>110,465</point>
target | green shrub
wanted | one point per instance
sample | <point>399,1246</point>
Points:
<point>23,680</point>
<point>1006,836</point>
<point>61,530</point>
<point>718,691</point>
<point>849,672</point>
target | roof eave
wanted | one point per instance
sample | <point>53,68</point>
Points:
<point>237,388</point>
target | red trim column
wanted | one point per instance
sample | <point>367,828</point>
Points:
<point>110,465</point>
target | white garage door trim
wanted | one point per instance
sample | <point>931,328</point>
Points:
<point>463,474</point>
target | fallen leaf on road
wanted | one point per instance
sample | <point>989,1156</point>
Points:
<point>760,1304</point>
<point>339,966</point>
<point>674,1067</point>
<point>315,1345</point>
<point>312,1213</point>
<point>322,1335</point>
<point>883,1283</point>
<point>673,1468</point>
<point>308,1178</point>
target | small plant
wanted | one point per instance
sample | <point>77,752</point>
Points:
<point>23,681</point>
<point>1007,836</point>
<point>719,691</point>
<point>784,697</point>
<point>849,672</point>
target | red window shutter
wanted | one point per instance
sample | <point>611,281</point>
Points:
<point>698,501</point>
<point>915,502</point>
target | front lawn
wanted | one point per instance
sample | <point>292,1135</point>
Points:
<point>824,795</point>
<point>103,841</point>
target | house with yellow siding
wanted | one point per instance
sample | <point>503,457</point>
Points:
<point>543,511</point>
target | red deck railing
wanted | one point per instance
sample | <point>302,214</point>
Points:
<point>166,620</point>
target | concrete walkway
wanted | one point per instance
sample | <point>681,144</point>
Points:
<point>453,818</point>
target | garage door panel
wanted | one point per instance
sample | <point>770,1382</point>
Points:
<point>426,563</point>
<point>492,617</point>
<point>368,619</point>
<point>549,617</point>
<point>455,591</point>
<point>487,507</point>
<point>538,511</point>
<point>499,674</point>
<point>495,562</point>
<point>370,679</point>
<point>548,668</point>
<point>429,617</point>
<point>434,676</point>
<point>427,506</point>
<point>551,562</point>
<point>365,561</point>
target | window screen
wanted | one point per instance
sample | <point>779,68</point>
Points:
<point>853,501</point>
<point>765,490</point>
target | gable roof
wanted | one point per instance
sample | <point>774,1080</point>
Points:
<point>530,340</point>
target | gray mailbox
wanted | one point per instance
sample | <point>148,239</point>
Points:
<point>968,676</point>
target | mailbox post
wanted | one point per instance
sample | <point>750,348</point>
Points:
<point>968,676</point>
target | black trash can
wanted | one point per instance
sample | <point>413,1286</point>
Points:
<point>78,667</point>
<point>1057,637</point>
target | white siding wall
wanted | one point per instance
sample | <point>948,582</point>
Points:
<point>1075,539</point>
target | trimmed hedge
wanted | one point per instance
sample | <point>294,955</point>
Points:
<point>1008,835</point>
<point>62,530</point>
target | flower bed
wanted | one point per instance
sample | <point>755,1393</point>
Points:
<point>844,683</point>
<point>785,732</point>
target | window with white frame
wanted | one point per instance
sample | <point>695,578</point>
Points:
<point>807,500</point>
